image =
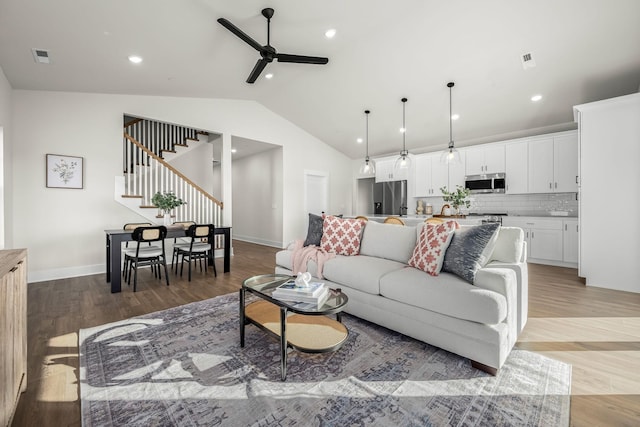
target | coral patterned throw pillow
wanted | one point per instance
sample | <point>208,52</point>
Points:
<point>433,242</point>
<point>341,236</point>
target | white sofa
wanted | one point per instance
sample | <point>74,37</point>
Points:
<point>480,321</point>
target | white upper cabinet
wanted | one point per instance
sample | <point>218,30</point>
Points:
<point>565,163</point>
<point>553,164</point>
<point>485,159</point>
<point>516,167</point>
<point>385,170</point>
<point>430,175</point>
<point>541,165</point>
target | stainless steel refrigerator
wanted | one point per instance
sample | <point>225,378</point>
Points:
<point>390,198</point>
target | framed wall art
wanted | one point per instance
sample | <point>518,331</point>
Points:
<point>65,171</point>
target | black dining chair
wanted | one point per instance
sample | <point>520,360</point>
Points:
<point>180,242</point>
<point>130,227</point>
<point>197,250</point>
<point>153,256</point>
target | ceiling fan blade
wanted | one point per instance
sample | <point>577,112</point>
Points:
<point>257,69</point>
<point>239,33</point>
<point>301,59</point>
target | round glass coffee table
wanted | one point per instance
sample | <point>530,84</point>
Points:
<point>302,326</point>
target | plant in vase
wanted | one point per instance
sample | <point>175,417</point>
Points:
<point>457,198</point>
<point>166,202</point>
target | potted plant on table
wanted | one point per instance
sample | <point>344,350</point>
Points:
<point>457,198</point>
<point>166,202</point>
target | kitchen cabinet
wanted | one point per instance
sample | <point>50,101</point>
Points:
<point>544,237</point>
<point>484,159</point>
<point>570,240</point>
<point>13,330</point>
<point>553,164</point>
<point>385,170</point>
<point>516,167</point>
<point>430,175</point>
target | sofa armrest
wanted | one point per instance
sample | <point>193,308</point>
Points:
<point>522,287</point>
<point>504,282</point>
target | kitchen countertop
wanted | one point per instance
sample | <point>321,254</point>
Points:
<point>572,215</point>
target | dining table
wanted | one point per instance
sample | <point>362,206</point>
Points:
<point>115,238</point>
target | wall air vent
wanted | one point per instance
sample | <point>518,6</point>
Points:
<point>527,60</point>
<point>41,56</point>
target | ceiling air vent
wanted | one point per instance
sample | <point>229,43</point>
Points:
<point>41,56</point>
<point>527,61</point>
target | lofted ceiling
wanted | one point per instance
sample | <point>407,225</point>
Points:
<point>584,50</point>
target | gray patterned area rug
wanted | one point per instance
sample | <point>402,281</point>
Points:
<point>184,367</point>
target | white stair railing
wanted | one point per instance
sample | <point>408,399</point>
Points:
<point>146,173</point>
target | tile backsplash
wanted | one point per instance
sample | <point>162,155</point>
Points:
<point>514,204</point>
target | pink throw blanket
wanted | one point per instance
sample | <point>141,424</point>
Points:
<point>302,254</point>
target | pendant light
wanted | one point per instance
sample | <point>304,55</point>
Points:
<point>403,161</point>
<point>450,155</point>
<point>367,168</point>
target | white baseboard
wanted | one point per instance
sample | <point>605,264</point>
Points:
<point>85,270</point>
<point>258,241</point>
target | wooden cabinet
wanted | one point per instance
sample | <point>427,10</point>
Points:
<point>516,167</point>
<point>553,164</point>
<point>485,159</point>
<point>570,240</point>
<point>429,175</point>
<point>385,170</point>
<point>544,237</point>
<point>13,331</point>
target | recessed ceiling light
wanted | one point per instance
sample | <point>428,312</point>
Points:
<point>330,33</point>
<point>455,116</point>
<point>268,76</point>
<point>402,130</point>
<point>359,140</point>
<point>135,59</point>
<point>536,98</point>
<point>233,150</point>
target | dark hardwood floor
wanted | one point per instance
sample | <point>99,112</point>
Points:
<point>596,330</point>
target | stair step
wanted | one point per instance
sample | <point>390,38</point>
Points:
<point>130,196</point>
<point>148,207</point>
<point>190,139</point>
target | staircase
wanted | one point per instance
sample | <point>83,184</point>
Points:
<point>146,144</point>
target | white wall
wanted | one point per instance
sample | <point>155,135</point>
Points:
<point>257,198</point>
<point>64,229</point>
<point>609,177</point>
<point>5,152</point>
<point>196,165</point>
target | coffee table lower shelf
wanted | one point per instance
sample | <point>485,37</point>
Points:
<point>309,334</point>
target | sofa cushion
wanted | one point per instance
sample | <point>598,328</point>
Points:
<point>359,272</point>
<point>509,245</point>
<point>446,294</point>
<point>433,241</point>
<point>314,232</point>
<point>389,241</point>
<point>470,249</point>
<point>341,236</point>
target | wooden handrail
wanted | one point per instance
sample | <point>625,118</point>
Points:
<point>133,122</point>
<point>172,169</point>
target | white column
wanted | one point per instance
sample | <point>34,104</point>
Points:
<point>227,184</point>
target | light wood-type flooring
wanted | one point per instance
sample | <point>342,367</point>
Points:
<point>596,330</point>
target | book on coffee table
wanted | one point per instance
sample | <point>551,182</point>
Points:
<point>302,300</point>
<point>290,288</point>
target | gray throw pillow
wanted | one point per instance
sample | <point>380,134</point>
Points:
<point>314,233</point>
<point>466,253</point>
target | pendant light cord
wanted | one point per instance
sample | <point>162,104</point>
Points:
<point>367,132</point>
<point>450,85</point>
<point>404,126</point>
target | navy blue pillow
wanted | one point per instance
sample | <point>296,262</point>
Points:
<point>314,233</point>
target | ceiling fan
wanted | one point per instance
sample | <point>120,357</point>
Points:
<point>268,52</point>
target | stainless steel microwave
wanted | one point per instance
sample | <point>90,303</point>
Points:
<point>485,183</point>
